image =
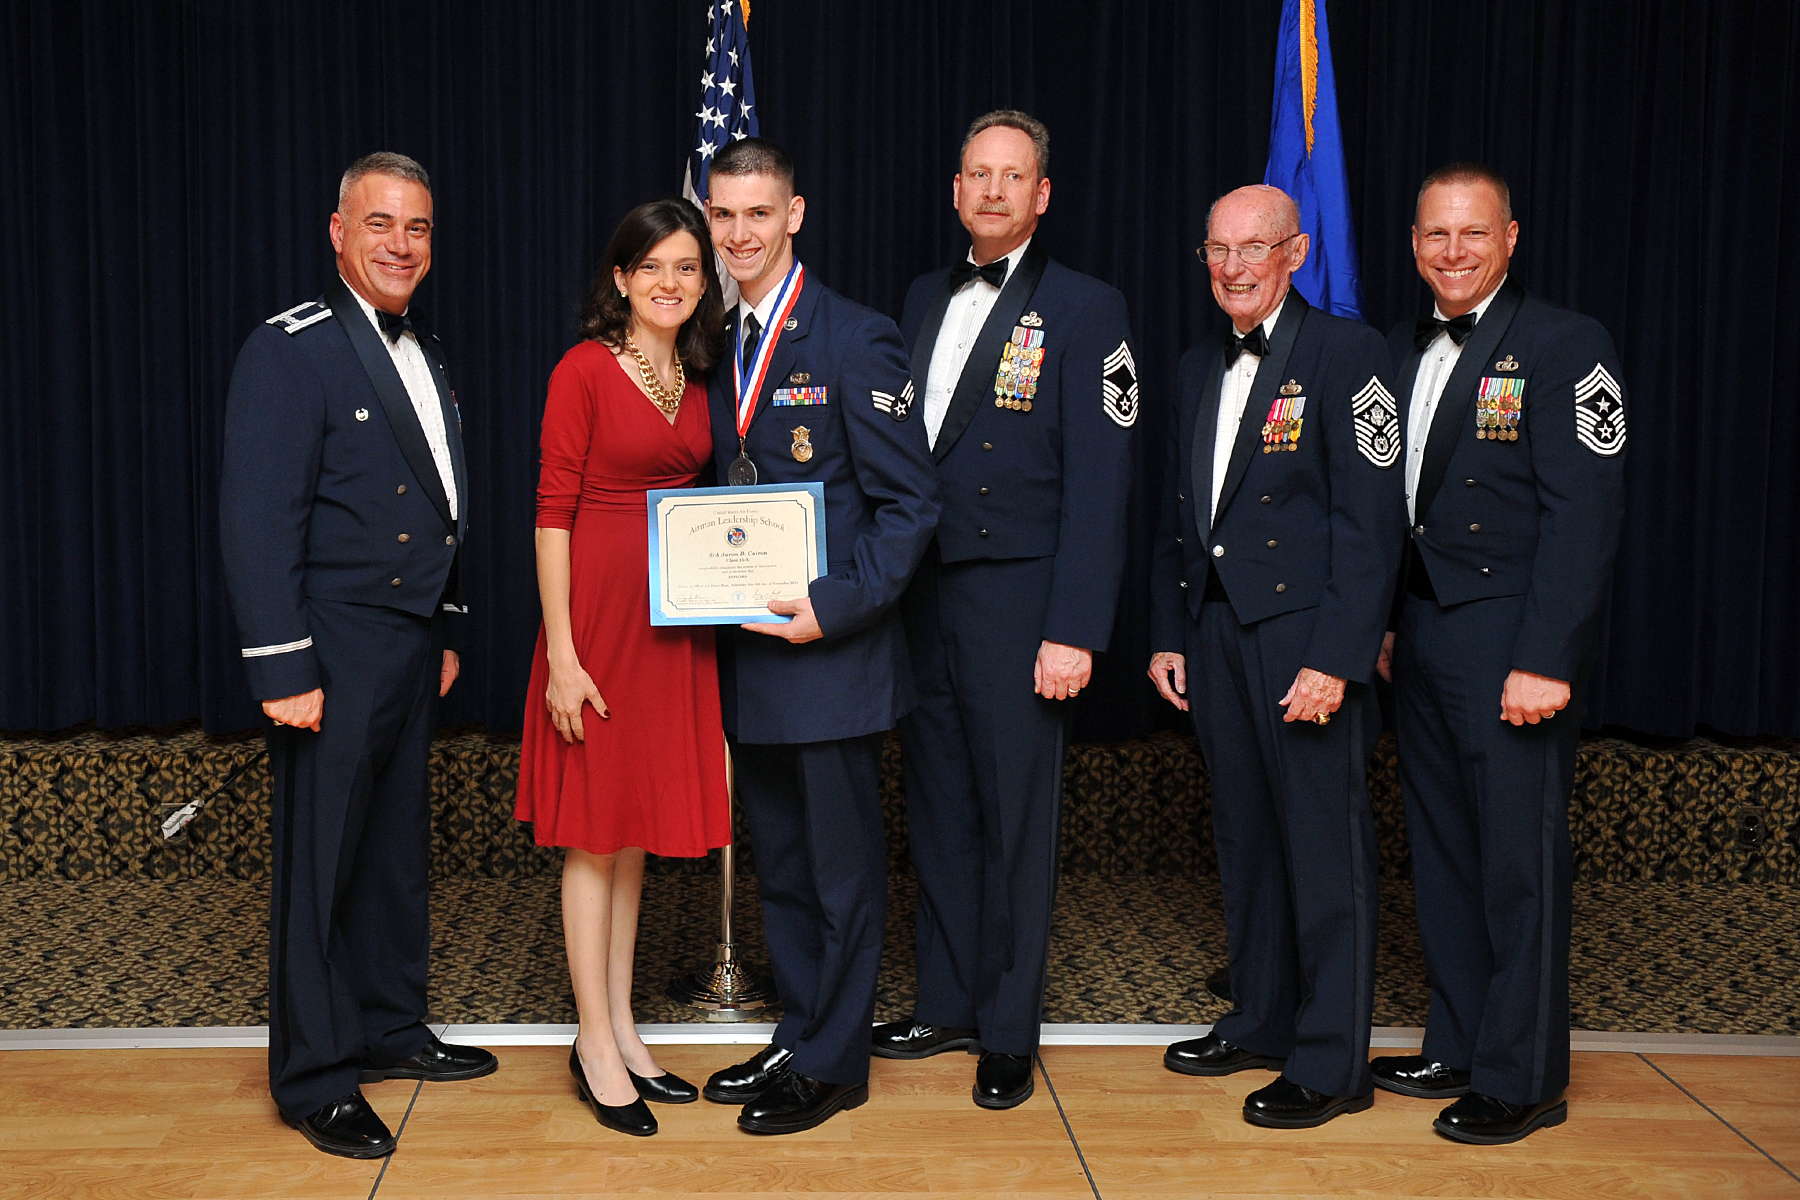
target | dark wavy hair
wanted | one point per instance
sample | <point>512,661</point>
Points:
<point>607,315</point>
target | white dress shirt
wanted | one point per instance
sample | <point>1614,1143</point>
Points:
<point>415,373</point>
<point>1435,366</point>
<point>1234,393</point>
<point>966,313</point>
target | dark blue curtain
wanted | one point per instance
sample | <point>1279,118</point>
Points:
<point>167,170</point>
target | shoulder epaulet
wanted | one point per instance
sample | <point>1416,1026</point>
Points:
<point>301,316</point>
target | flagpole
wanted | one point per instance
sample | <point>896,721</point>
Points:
<point>726,991</point>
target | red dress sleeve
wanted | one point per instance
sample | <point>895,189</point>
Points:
<point>563,442</point>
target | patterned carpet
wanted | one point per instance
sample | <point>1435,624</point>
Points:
<point>1648,957</point>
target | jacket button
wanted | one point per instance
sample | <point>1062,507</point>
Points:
<point>1485,571</point>
<point>393,583</point>
<point>1468,483</point>
<point>1281,587</point>
<point>1475,529</point>
<point>1265,499</point>
<point>406,537</point>
<point>1272,543</point>
<point>1181,495</point>
<point>987,445</point>
<point>450,539</point>
<point>1218,552</point>
<point>1178,541</point>
<point>983,491</point>
<point>401,490</point>
<point>1418,529</point>
<point>982,532</point>
<point>1184,583</point>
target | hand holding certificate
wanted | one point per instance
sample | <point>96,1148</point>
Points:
<point>718,556</point>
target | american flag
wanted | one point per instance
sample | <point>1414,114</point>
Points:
<point>727,95</point>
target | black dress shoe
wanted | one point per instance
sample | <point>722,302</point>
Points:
<point>1213,1055</point>
<point>1219,984</point>
<point>667,1088</point>
<point>799,1102</point>
<point>436,1062</point>
<point>1486,1121</point>
<point>915,1039</point>
<point>633,1118</point>
<point>348,1127</point>
<point>1003,1080</point>
<point>1285,1104</point>
<point>1416,1075</point>
<point>747,1080</point>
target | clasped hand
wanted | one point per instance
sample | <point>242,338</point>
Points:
<point>307,710</point>
<point>1312,692</point>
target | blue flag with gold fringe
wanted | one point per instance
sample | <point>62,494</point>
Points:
<point>1306,159</point>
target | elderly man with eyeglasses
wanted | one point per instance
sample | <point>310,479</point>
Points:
<point>1272,577</point>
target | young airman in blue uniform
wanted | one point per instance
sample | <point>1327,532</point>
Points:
<point>825,396</point>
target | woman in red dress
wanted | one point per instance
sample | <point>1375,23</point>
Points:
<point>623,749</point>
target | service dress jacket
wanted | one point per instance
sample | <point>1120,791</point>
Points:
<point>845,399</point>
<point>329,489</point>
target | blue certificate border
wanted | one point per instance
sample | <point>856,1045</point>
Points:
<point>655,496</point>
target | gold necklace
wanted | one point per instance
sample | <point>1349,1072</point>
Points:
<point>667,399</point>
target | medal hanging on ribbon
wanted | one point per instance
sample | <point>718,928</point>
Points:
<point>742,472</point>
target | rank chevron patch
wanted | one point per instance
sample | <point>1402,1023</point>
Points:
<point>898,407</point>
<point>1600,413</point>
<point>1120,387</point>
<point>1377,420</point>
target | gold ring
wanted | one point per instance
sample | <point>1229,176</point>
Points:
<point>1322,719</point>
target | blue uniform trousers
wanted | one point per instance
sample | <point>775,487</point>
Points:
<point>1296,844</point>
<point>1487,817</point>
<point>349,932</point>
<point>814,812</point>
<point>984,759</point>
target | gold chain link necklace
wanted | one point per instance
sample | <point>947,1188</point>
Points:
<point>666,398</point>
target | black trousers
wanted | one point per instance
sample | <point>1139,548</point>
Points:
<point>1296,844</point>
<point>349,931</point>
<point>814,812</point>
<point>984,758</point>
<point>1487,817</point>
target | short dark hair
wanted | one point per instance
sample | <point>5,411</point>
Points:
<point>1466,173</point>
<point>607,315</point>
<point>382,162</point>
<point>755,156</point>
<point>1025,123</point>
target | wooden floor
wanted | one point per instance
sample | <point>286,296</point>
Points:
<point>157,1123</point>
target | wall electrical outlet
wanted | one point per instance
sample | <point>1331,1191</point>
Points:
<point>1752,826</point>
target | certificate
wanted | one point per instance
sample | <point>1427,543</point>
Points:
<point>719,555</point>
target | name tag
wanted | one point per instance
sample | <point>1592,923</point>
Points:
<point>795,397</point>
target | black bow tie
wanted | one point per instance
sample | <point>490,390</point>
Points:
<point>966,271</point>
<point>392,324</point>
<point>1459,329</point>
<point>1255,342</point>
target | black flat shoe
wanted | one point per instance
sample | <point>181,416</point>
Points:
<point>1213,1055</point>
<point>436,1062</point>
<point>744,1082</point>
<point>1219,983</point>
<point>1285,1104</point>
<point>348,1128</point>
<point>1003,1080</point>
<point>798,1102</point>
<point>667,1088</point>
<point>1418,1076</point>
<point>915,1039</point>
<point>1485,1121</point>
<point>633,1118</point>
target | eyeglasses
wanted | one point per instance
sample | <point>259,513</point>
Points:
<point>1251,253</point>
